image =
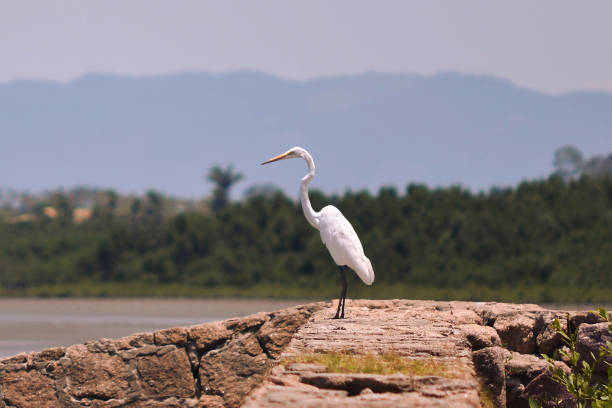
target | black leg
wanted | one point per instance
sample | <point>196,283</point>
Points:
<point>342,298</point>
<point>344,287</point>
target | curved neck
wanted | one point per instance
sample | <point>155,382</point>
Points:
<point>309,213</point>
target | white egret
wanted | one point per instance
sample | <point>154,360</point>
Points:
<point>336,232</point>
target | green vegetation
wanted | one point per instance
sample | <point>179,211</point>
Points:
<point>570,163</point>
<point>589,390</point>
<point>542,241</point>
<point>386,363</point>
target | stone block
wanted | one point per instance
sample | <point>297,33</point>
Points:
<point>166,376</point>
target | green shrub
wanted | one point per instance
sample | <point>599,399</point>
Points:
<point>580,382</point>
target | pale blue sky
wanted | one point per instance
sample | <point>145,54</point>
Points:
<point>553,46</point>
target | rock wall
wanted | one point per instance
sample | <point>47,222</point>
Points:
<point>209,365</point>
<point>495,346</point>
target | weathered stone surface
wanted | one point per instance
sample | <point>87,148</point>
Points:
<point>480,336</point>
<point>312,368</point>
<point>525,367</point>
<point>516,332</point>
<point>273,334</point>
<point>590,338</point>
<point>142,351</point>
<point>490,312</point>
<point>233,370</point>
<point>218,364</point>
<point>588,317</point>
<point>354,384</point>
<point>28,389</point>
<point>515,397</point>
<point>16,359</point>
<point>166,376</point>
<point>44,356</point>
<point>548,339</point>
<point>96,375</point>
<point>240,362</point>
<point>208,336</point>
<point>211,401</point>
<point>246,323</point>
<point>46,361</point>
<point>134,340</point>
<point>214,365</point>
<point>171,402</point>
<point>550,393</point>
<point>175,335</point>
<point>101,346</point>
<point>414,329</point>
<point>462,315</point>
<point>489,364</point>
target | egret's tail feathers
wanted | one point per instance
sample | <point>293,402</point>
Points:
<point>365,271</point>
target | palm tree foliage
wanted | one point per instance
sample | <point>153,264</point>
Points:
<point>223,179</point>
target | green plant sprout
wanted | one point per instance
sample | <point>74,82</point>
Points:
<point>580,382</point>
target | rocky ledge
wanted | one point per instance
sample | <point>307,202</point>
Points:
<point>492,347</point>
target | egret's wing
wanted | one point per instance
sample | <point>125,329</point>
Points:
<point>344,245</point>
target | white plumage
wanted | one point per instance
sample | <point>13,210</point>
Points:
<point>336,231</point>
<point>343,244</point>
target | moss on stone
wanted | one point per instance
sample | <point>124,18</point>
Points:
<point>385,363</point>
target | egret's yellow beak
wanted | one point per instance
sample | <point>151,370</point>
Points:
<point>276,158</point>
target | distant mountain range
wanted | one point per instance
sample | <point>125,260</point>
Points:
<point>365,131</point>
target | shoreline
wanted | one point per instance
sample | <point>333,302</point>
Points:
<point>540,294</point>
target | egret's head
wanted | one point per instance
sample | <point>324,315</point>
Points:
<point>292,153</point>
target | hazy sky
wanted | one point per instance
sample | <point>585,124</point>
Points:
<point>554,46</point>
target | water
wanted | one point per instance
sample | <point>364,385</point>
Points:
<point>35,324</point>
<point>577,306</point>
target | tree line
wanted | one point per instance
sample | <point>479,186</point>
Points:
<point>542,240</point>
